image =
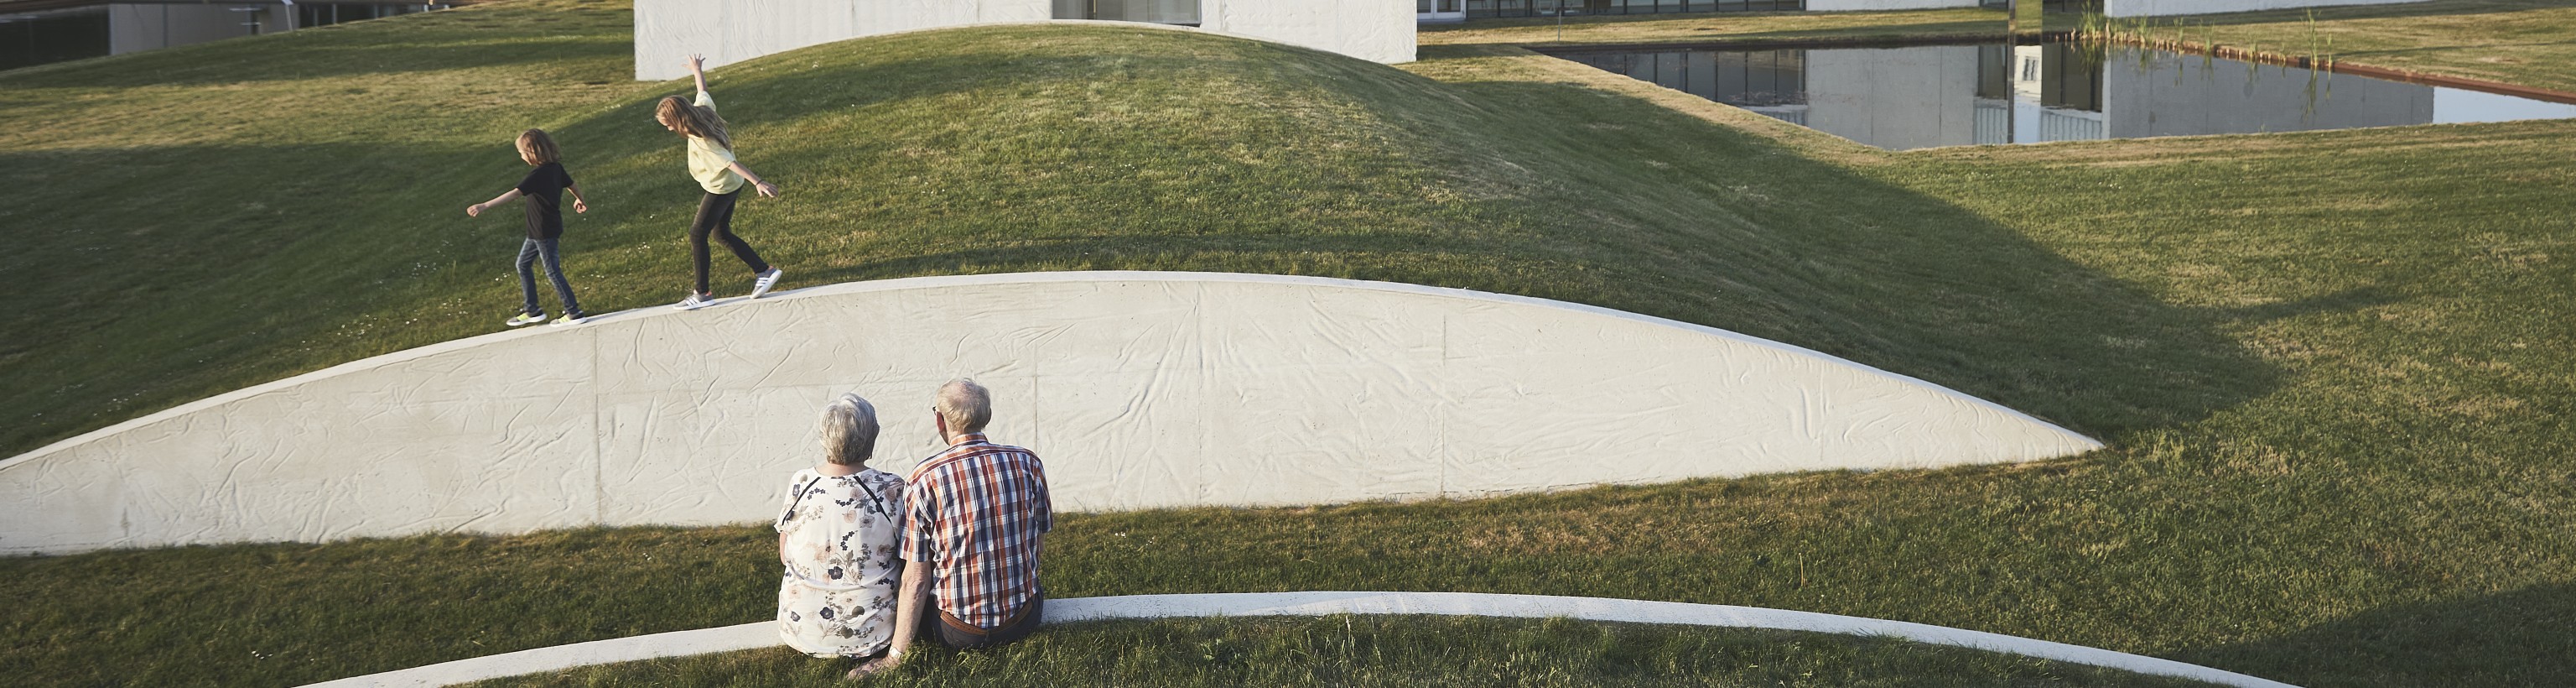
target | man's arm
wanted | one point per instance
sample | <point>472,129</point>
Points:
<point>908,609</point>
<point>577,205</point>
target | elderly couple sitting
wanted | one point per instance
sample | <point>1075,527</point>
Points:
<point>872,558</point>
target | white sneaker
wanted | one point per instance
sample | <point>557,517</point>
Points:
<point>524,319</point>
<point>762,285</point>
<point>694,302</point>
<point>569,319</point>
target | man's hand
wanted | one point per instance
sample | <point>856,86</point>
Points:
<point>475,210</point>
<point>580,207</point>
<point>876,666</point>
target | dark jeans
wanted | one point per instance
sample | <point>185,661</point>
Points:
<point>529,253</point>
<point>964,636</point>
<point>715,218</point>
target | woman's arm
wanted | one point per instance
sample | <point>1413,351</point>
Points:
<point>765,188</point>
<point>698,71</point>
<point>907,619</point>
<point>477,209</point>
<point>577,205</point>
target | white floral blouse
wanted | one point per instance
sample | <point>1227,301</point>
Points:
<point>839,535</point>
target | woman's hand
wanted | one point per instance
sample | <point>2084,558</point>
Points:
<point>697,64</point>
<point>766,188</point>
<point>876,666</point>
<point>475,210</point>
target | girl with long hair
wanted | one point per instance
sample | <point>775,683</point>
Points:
<point>711,161</point>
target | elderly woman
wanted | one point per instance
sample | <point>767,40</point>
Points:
<point>837,538</point>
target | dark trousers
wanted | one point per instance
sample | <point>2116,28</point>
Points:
<point>529,254</point>
<point>964,636</point>
<point>715,218</point>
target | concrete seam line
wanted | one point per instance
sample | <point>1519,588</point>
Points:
<point>764,633</point>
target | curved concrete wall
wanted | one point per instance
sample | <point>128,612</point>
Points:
<point>760,634</point>
<point>1139,389</point>
<point>729,32</point>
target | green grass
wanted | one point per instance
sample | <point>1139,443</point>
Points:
<point>1389,651</point>
<point>2332,366</point>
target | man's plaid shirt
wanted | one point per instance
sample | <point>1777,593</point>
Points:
<point>973,513</point>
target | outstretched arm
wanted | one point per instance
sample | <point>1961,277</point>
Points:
<point>477,209</point>
<point>698,71</point>
<point>765,188</point>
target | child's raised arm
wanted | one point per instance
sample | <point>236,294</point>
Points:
<point>698,71</point>
<point>477,209</point>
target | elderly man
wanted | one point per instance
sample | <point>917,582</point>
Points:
<point>976,516</point>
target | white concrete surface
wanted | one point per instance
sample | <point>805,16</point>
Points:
<point>729,32</point>
<point>2159,8</point>
<point>764,633</point>
<point>1139,389</point>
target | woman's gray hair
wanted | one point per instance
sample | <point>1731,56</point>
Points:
<point>849,430</point>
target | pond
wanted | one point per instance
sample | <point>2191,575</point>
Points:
<point>1902,98</point>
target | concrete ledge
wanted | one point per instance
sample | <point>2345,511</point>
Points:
<point>765,633</point>
<point>1140,390</point>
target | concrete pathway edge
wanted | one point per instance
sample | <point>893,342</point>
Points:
<point>764,633</point>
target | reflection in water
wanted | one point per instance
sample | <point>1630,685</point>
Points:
<point>1951,95</point>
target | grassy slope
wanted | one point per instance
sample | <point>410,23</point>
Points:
<point>2337,402</point>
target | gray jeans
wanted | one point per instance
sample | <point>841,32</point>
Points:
<point>528,254</point>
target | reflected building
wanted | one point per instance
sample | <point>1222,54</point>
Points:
<point>1949,95</point>
<point>75,30</point>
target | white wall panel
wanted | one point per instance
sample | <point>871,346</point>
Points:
<point>1139,389</point>
<point>731,31</point>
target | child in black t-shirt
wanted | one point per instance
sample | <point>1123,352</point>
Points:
<point>544,189</point>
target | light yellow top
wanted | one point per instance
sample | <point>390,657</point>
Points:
<point>712,164</point>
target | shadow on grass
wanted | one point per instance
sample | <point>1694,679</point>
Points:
<point>2517,638</point>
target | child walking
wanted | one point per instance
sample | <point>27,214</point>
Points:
<point>544,189</point>
<point>711,161</point>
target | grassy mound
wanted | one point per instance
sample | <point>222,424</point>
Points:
<point>2332,365</point>
<point>228,214</point>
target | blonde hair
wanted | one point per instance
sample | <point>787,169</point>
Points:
<point>534,143</point>
<point>692,120</point>
<point>849,430</point>
<point>965,405</point>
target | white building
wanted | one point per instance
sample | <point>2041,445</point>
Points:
<point>733,30</point>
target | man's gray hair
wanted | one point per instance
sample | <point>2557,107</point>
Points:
<point>965,405</point>
<point>849,430</point>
